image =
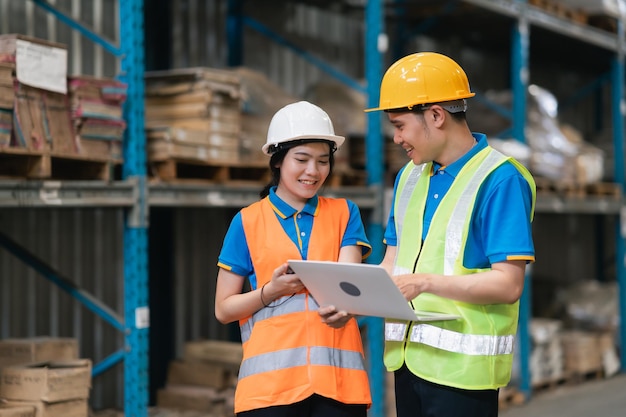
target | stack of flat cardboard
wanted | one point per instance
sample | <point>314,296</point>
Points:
<point>193,115</point>
<point>39,82</point>
<point>204,380</point>
<point>97,115</point>
<point>43,377</point>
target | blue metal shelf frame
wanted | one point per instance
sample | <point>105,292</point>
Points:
<point>618,78</point>
<point>136,308</point>
<point>519,80</point>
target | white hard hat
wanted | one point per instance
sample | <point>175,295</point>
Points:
<point>297,121</point>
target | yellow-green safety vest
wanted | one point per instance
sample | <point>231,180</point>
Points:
<point>476,351</point>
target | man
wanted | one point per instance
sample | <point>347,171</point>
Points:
<point>458,240</point>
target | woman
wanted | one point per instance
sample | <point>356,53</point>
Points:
<point>298,359</point>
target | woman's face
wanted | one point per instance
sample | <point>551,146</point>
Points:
<point>302,172</point>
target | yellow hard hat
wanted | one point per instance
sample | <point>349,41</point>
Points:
<point>422,78</point>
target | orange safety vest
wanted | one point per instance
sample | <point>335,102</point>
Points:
<point>288,353</point>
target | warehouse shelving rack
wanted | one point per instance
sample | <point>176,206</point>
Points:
<point>525,17</point>
<point>130,194</point>
<point>135,195</point>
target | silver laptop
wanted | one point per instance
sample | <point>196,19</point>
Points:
<point>361,289</point>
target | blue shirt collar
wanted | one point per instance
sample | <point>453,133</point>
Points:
<point>285,211</point>
<point>455,167</point>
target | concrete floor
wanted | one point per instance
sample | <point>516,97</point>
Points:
<point>601,398</point>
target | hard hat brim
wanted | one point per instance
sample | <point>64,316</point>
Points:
<point>338,140</point>
<point>382,108</point>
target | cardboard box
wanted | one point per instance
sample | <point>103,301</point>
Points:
<point>205,400</point>
<point>37,349</point>
<point>199,374</point>
<point>47,381</point>
<point>227,354</point>
<point>17,411</point>
<point>71,408</point>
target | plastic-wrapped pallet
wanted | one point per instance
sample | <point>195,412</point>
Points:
<point>546,359</point>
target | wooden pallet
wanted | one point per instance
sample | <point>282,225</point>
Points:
<point>186,171</point>
<point>179,170</point>
<point>560,10</point>
<point>567,379</point>
<point>510,396</point>
<point>576,190</point>
<point>26,164</point>
<point>347,177</point>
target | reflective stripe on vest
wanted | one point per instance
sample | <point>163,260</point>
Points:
<point>274,361</point>
<point>454,233</point>
<point>403,203</point>
<point>468,344</point>
<point>405,196</point>
<point>280,306</point>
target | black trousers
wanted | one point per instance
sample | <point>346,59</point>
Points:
<point>314,406</point>
<point>416,397</point>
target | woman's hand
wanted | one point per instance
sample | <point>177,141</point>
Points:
<point>334,318</point>
<point>282,283</point>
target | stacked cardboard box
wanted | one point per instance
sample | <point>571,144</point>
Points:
<point>16,411</point>
<point>43,377</point>
<point>53,389</point>
<point>37,72</point>
<point>193,115</point>
<point>97,115</point>
<point>37,349</point>
<point>204,380</point>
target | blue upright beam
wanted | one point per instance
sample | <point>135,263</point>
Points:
<point>234,32</point>
<point>136,310</point>
<point>519,81</point>
<point>375,45</point>
<point>519,76</point>
<point>617,104</point>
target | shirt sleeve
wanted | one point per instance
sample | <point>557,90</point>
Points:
<point>503,228</point>
<point>235,255</point>
<point>355,231</point>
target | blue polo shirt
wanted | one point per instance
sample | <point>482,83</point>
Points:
<point>235,255</point>
<point>500,229</point>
